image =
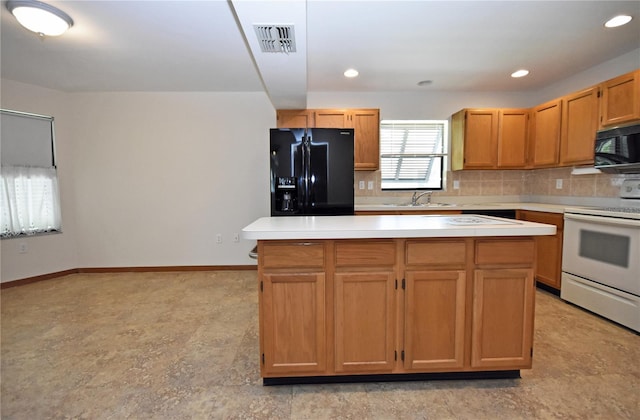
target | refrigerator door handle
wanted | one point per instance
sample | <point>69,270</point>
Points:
<point>305,172</point>
<point>309,190</point>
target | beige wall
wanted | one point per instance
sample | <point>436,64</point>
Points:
<point>148,179</point>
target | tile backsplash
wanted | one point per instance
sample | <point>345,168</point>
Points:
<point>536,182</point>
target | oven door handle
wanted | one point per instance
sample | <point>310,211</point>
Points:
<point>603,220</point>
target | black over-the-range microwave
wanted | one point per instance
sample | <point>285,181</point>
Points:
<point>618,149</point>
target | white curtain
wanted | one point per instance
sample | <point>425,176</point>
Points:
<point>30,201</point>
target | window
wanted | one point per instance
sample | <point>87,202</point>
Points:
<point>412,154</point>
<point>29,198</point>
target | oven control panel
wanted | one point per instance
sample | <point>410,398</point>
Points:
<point>630,189</point>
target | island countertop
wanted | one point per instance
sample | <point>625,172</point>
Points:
<point>388,226</point>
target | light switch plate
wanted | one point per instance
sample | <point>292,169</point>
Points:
<point>370,186</point>
<point>559,184</point>
<point>361,185</point>
<point>456,185</point>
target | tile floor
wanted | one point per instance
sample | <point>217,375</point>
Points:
<point>185,346</point>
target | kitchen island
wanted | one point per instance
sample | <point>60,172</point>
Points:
<point>392,297</point>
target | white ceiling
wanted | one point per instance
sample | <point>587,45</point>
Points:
<point>151,45</point>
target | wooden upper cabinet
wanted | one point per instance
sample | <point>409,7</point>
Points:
<point>331,118</point>
<point>545,134</point>
<point>620,99</point>
<point>294,118</point>
<point>366,125</point>
<point>489,138</point>
<point>579,125</point>
<point>365,122</point>
<point>480,137</point>
<point>474,134</point>
<point>512,138</point>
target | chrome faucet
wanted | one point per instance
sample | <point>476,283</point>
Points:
<point>415,197</point>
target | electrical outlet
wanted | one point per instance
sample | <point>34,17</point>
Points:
<point>218,238</point>
<point>23,248</point>
<point>361,185</point>
<point>236,237</point>
<point>370,185</point>
<point>456,185</point>
<point>559,184</point>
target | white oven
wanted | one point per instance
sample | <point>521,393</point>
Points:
<point>601,261</point>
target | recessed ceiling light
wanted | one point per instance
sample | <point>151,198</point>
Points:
<point>351,73</point>
<point>39,17</point>
<point>520,73</point>
<point>619,20</point>
<point>425,82</point>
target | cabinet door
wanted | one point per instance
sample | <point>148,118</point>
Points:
<point>548,269</point>
<point>480,138</point>
<point>434,320</point>
<point>502,323</point>
<point>546,134</point>
<point>512,138</point>
<point>293,316</point>
<point>295,118</point>
<point>579,125</point>
<point>364,322</point>
<point>331,118</point>
<point>620,101</point>
<point>366,125</point>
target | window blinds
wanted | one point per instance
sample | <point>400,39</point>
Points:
<point>412,153</point>
<point>26,139</point>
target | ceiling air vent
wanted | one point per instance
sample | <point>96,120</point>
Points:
<point>276,38</point>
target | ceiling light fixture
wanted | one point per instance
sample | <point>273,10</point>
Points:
<point>350,73</point>
<point>39,17</point>
<point>519,73</point>
<point>616,21</point>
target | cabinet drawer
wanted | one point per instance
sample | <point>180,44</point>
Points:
<point>292,254</point>
<point>505,252</point>
<point>436,252</point>
<point>349,254</point>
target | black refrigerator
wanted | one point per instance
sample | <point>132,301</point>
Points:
<point>311,171</point>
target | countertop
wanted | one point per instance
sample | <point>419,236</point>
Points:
<point>387,226</point>
<point>551,208</point>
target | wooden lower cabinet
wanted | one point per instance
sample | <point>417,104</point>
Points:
<point>395,306</point>
<point>364,322</point>
<point>434,320</point>
<point>364,305</point>
<point>293,315</point>
<point>548,268</point>
<point>503,302</point>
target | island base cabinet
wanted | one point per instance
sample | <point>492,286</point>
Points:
<point>364,319</point>
<point>395,306</point>
<point>293,317</point>
<point>434,320</point>
<point>502,330</point>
